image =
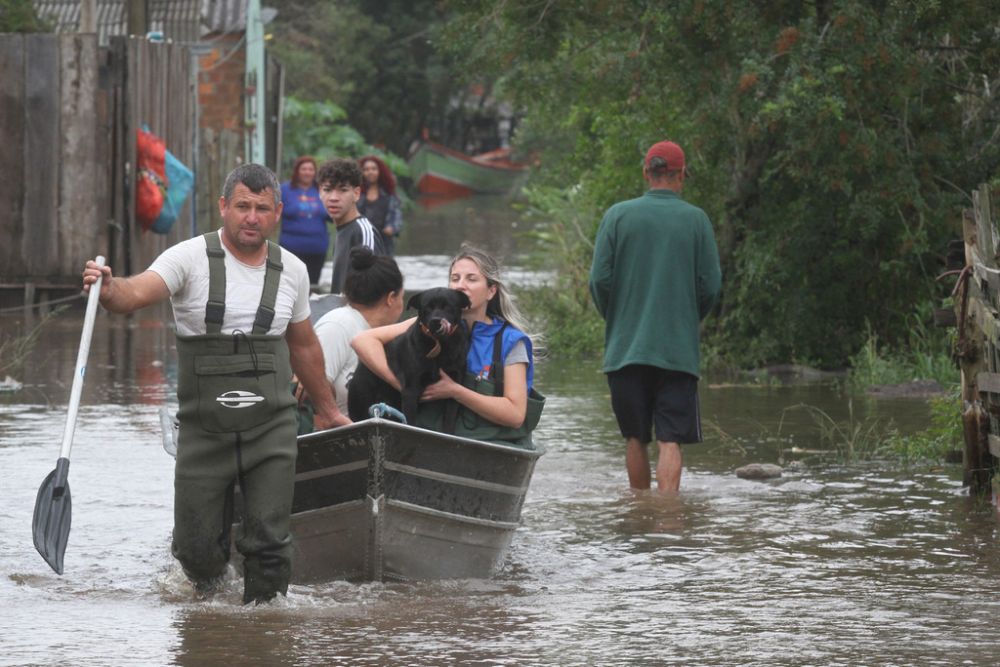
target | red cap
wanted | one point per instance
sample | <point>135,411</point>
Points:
<point>669,152</point>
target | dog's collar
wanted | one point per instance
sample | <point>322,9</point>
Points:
<point>436,350</point>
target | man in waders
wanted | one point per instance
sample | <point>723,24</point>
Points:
<point>241,309</point>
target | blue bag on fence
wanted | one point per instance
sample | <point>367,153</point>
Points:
<point>180,180</point>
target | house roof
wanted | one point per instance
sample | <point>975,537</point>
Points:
<point>179,20</point>
<point>230,15</point>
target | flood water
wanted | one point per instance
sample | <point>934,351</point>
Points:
<point>831,564</point>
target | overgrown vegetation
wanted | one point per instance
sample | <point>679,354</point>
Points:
<point>924,355</point>
<point>941,439</point>
<point>870,437</point>
<point>21,16</point>
<point>565,230</point>
<point>320,129</point>
<point>833,144</point>
<point>383,62</point>
<point>851,440</point>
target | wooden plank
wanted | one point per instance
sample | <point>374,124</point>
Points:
<point>983,315</point>
<point>984,226</point>
<point>80,219</point>
<point>12,163</point>
<point>104,130</point>
<point>988,382</point>
<point>131,124</point>
<point>152,100</point>
<point>994,445</point>
<point>39,245</point>
<point>969,235</point>
<point>987,215</point>
<point>119,159</point>
<point>179,115</point>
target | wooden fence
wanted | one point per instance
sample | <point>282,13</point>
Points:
<point>69,111</point>
<point>155,86</point>
<point>54,145</point>
<point>977,308</point>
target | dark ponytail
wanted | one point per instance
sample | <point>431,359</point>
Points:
<point>371,277</point>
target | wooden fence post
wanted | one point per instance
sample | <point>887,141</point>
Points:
<point>979,345</point>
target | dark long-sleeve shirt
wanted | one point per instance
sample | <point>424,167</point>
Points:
<point>655,275</point>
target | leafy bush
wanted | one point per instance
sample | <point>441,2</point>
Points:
<point>941,439</point>
<point>831,144</point>
<point>567,222</point>
<point>21,16</point>
<point>320,129</point>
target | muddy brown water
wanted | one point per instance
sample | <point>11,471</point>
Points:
<point>831,564</point>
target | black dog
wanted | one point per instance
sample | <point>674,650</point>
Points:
<point>437,340</point>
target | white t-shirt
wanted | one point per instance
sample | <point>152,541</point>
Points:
<point>335,331</point>
<point>184,268</point>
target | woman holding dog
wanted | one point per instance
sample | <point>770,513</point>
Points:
<point>374,291</point>
<point>497,399</point>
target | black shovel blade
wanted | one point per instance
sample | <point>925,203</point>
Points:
<point>53,509</point>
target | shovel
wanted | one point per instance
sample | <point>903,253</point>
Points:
<point>50,525</point>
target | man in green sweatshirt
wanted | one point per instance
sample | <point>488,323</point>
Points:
<point>655,276</point>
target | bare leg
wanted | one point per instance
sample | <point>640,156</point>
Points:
<point>637,464</point>
<point>668,467</point>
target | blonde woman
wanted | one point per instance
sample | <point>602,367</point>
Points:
<point>497,396</point>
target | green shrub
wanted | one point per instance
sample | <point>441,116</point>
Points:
<point>567,222</point>
<point>320,129</point>
<point>944,436</point>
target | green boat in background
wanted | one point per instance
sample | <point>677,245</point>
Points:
<point>441,171</point>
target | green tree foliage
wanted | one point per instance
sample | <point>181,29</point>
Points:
<point>832,143</point>
<point>320,129</point>
<point>374,58</point>
<point>20,16</point>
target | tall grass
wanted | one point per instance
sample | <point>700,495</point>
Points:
<point>851,440</point>
<point>926,355</point>
<point>16,347</point>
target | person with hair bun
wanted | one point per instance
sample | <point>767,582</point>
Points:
<point>374,291</point>
<point>497,399</point>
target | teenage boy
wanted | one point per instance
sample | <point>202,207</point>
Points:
<point>339,190</point>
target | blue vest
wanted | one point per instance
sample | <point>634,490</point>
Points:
<point>480,357</point>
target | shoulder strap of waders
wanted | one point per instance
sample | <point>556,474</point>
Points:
<point>272,278</point>
<point>215,309</point>
<point>497,367</point>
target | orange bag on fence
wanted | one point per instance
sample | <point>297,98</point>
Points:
<point>151,177</point>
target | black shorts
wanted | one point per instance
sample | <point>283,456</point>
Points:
<point>644,395</point>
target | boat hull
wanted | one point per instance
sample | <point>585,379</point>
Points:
<point>378,500</point>
<point>440,171</point>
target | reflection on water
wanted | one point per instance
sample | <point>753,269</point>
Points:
<point>830,564</point>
